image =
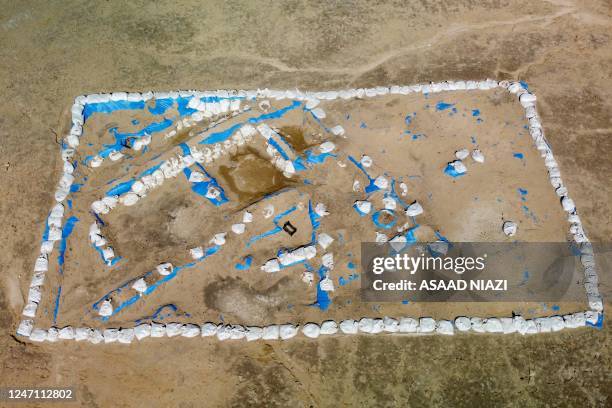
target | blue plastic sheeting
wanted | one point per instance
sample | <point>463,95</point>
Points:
<point>109,107</point>
<point>57,303</point>
<point>518,155</point>
<point>376,219</point>
<point>323,299</point>
<point>161,106</point>
<point>450,171</point>
<point>121,188</point>
<point>245,264</point>
<point>440,106</point>
<point>66,231</point>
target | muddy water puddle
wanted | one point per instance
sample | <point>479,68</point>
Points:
<point>251,176</point>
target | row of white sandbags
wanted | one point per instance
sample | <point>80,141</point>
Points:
<point>54,220</point>
<point>432,87</point>
<point>528,101</point>
<point>366,325</point>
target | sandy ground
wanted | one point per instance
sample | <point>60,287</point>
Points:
<point>52,53</point>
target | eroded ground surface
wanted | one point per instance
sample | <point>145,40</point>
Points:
<point>50,55</point>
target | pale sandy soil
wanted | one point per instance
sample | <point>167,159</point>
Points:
<point>50,53</point>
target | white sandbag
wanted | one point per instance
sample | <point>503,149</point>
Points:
<point>287,331</point>
<point>493,325</point>
<point>329,327</point>
<point>129,199</point>
<point>327,147</point>
<point>327,260</point>
<point>173,329</point>
<point>110,335</point>
<point>237,332</point>
<point>52,334</point>
<point>190,330</point>
<point>595,302</point>
<point>381,238</point>
<point>477,324</point>
<point>408,325</point>
<point>509,228</point>
<point>458,166</point>
<point>55,234</point>
<point>82,333</point>
<point>324,240</point>
<point>525,326</point>
<point>41,264</point>
<point>311,330</point>
<point>337,130</point>
<point>366,161</point>
<point>165,268</point>
<point>463,323</point>
<point>390,325</point>
<point>96,161</point>
<point>307,277</point>
<point>158,330</point>
<point>218,239</point>
<point>247,217</point>
<point>414,209</point>
<point>326,284</point>
<point>126,336</point>
<point>271,266</point>
<point>196,253</point>
<point>96,337</point>
<point>38,335</point>
<point>253,333</point>
<point>108,254</point>
<point>209,329</point>
<point>544,325</point>
<point>25,328</point>
<point>507,324</point>
<point>321,210</point>
<point>268,211</point>
<point>372,326</point>
<point>197,177</point>
<point>363,207</point>
<point>527,99</point>
<point>381,182</point>
<point>445,327</point>
<point>34,294</point>
<point>99,207</point>
<point>38,279</point>
<point>29,310</point>
<point>349,326</point>
<point>66,333</point>
<point>271,332</point>
<point>142,331</point>
<point>477,156</point>
<point>115,155</point>
<point>568,204</point>
<point>462,154</point>
<point>574,320</point>
<point>389,203</point>
<point>139,285</point>
<point>46,247</point>
<point>318,113</point>
<point>238,228</point>
<point>426,325</point>
<point>556,323</point>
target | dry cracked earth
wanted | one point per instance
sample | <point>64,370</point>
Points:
<point>53,51</point>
